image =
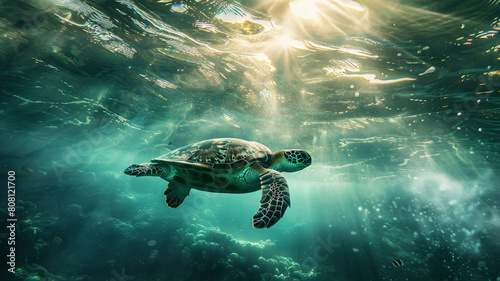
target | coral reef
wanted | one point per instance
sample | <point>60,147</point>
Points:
<point>208,251</point>
<point>94,245</point>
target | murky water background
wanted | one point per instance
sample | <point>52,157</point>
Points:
<point>397,102</point>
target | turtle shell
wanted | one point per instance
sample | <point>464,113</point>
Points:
<point>217,152</point>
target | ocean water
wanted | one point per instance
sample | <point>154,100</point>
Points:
<point>397,102</point>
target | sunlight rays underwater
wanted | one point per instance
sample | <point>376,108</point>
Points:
<point>396,102</point>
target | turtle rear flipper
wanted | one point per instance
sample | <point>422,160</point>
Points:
<point>274,201</point>
<point>145,169</point>
<point>175,194</point>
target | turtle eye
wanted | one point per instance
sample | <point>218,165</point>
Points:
<point>307,159</point>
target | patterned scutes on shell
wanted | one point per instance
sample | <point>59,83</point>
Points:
<point>215,151</point>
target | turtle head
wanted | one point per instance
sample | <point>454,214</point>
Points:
<point>293,160</point>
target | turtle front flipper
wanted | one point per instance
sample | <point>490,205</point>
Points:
<point>145,169</point>
<point>274,201</point>
<point>175,194</point>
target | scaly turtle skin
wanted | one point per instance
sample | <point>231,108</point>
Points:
<point>228,166</point>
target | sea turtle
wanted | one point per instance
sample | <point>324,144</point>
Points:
<point>228,166</point>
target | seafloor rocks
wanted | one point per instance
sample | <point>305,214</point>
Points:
<point>32,231</point>
<point>72,212</point>
<point>101,246</point>
<point>35,272</point>
<point>208,251</point>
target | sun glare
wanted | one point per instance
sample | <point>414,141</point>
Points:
<point>351,4</point>
<point>284,40</point>
<point>304,8</point>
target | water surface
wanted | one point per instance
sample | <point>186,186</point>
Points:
<point>397,102</point>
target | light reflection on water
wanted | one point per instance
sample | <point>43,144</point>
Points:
<point>396,101</point>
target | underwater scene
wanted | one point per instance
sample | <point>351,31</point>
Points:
<point>154,140</point>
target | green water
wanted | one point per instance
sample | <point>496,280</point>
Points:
<point>396,101</point>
